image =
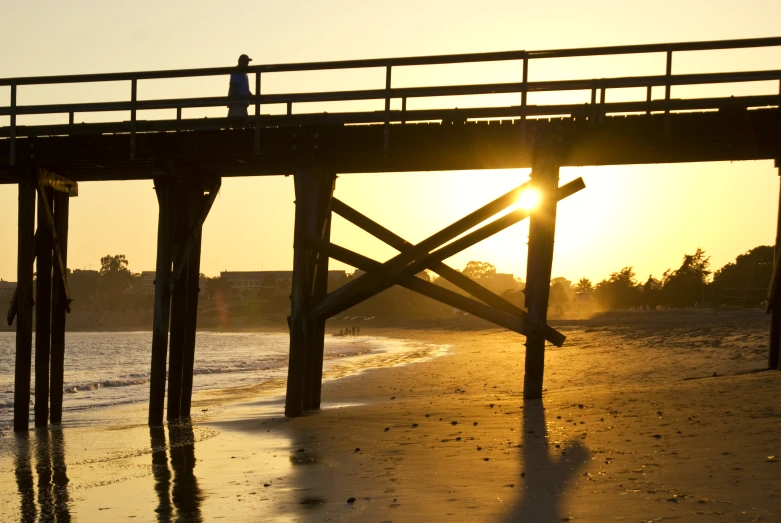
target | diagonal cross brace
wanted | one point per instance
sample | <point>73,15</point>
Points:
<point>446,272</point>
<point>430,260</point>
<point>47,209</point>
<point>413,283</point>
<point>350,292</point>
<point>195,230</point>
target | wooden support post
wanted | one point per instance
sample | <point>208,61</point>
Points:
<point>165,226</point>
<point>542,229</point>
<point>316,325</point>
<point>59,304</point>
<point>191,318</point>
<point>775,309</point>
<point>178,304</point>
<point>303,268</point>
<point>43,304</point>
<point>24,300</point>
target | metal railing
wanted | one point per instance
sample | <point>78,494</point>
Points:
<point>599,108</point>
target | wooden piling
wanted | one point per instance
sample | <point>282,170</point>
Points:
<point>162,301</point>
<point>24,300</point>
<point>59,303</point>
<point>316,325</point>
<point>43,303</point>
<point>193,288</point>
<point>542,229</point>
<point>303,261</point>
<point>774,349</point>
<point>178,305</point>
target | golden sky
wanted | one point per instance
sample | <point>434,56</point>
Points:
<point>645,216</point>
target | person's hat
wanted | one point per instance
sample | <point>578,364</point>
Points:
<point>245,57</point>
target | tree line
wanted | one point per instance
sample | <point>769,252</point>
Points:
<point>743,282</point>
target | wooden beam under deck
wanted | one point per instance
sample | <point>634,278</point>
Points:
<point>630,139</point>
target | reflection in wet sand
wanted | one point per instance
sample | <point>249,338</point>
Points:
<point>184,495</point>
<point>544,478</point>
<point>52,490</point>
<point>59,476</point>
<point>24,478</point>
<point>161,473</point>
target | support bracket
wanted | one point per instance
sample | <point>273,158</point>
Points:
<point>58,182</point>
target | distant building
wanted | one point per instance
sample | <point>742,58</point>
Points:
<point>7,289</point>
<point>256,279</point>
<point>246,284</point>
<point>145,284</point>
<point>88,273</point>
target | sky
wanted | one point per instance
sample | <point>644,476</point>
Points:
<point>646,216</point>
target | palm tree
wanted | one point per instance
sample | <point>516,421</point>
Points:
<point>584,285</point>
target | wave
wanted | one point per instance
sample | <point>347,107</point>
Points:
<point>95,385</point>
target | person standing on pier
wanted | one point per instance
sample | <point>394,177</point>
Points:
<point>239,86</point>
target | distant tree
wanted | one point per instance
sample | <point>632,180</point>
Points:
<point>113,264</point>
<point>478,270</point>
<point>744,282</point>
<point>268,281</point>
<point>115,279</point>
<point>558,299</point>
<point>652,289</point>
<point>584,285</point>
<point>619,291</point>
<point>685,286</point>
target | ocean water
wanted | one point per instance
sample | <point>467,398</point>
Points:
<point>105,369</point>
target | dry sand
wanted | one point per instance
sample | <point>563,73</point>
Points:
<point>649,416</point>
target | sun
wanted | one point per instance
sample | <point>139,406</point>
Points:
<point>528,200</point>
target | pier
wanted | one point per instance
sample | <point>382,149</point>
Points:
<point>187,157</point>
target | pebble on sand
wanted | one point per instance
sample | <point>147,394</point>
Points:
<point>350,500</point>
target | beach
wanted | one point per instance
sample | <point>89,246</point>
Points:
<point>646,416</point>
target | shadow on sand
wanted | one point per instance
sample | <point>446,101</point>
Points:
<point>52,500</point>
<point>178,495</point>
<point>543,477</point>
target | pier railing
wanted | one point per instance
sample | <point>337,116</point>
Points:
<point>596,110</point>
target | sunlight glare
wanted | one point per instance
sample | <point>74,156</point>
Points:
<point>528,199</point>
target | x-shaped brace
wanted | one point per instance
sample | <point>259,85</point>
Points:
<point>402,268</point>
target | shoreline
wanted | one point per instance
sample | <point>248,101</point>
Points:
<point>623,433</point>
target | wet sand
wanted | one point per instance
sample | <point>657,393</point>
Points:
<point>646,417</point>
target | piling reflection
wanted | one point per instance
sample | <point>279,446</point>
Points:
<point>49,500</point>
<point>179,497</point>
<point>161,473</point>
<point>24,478</point>
<point>544,478</point>
<point>59,476</point>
